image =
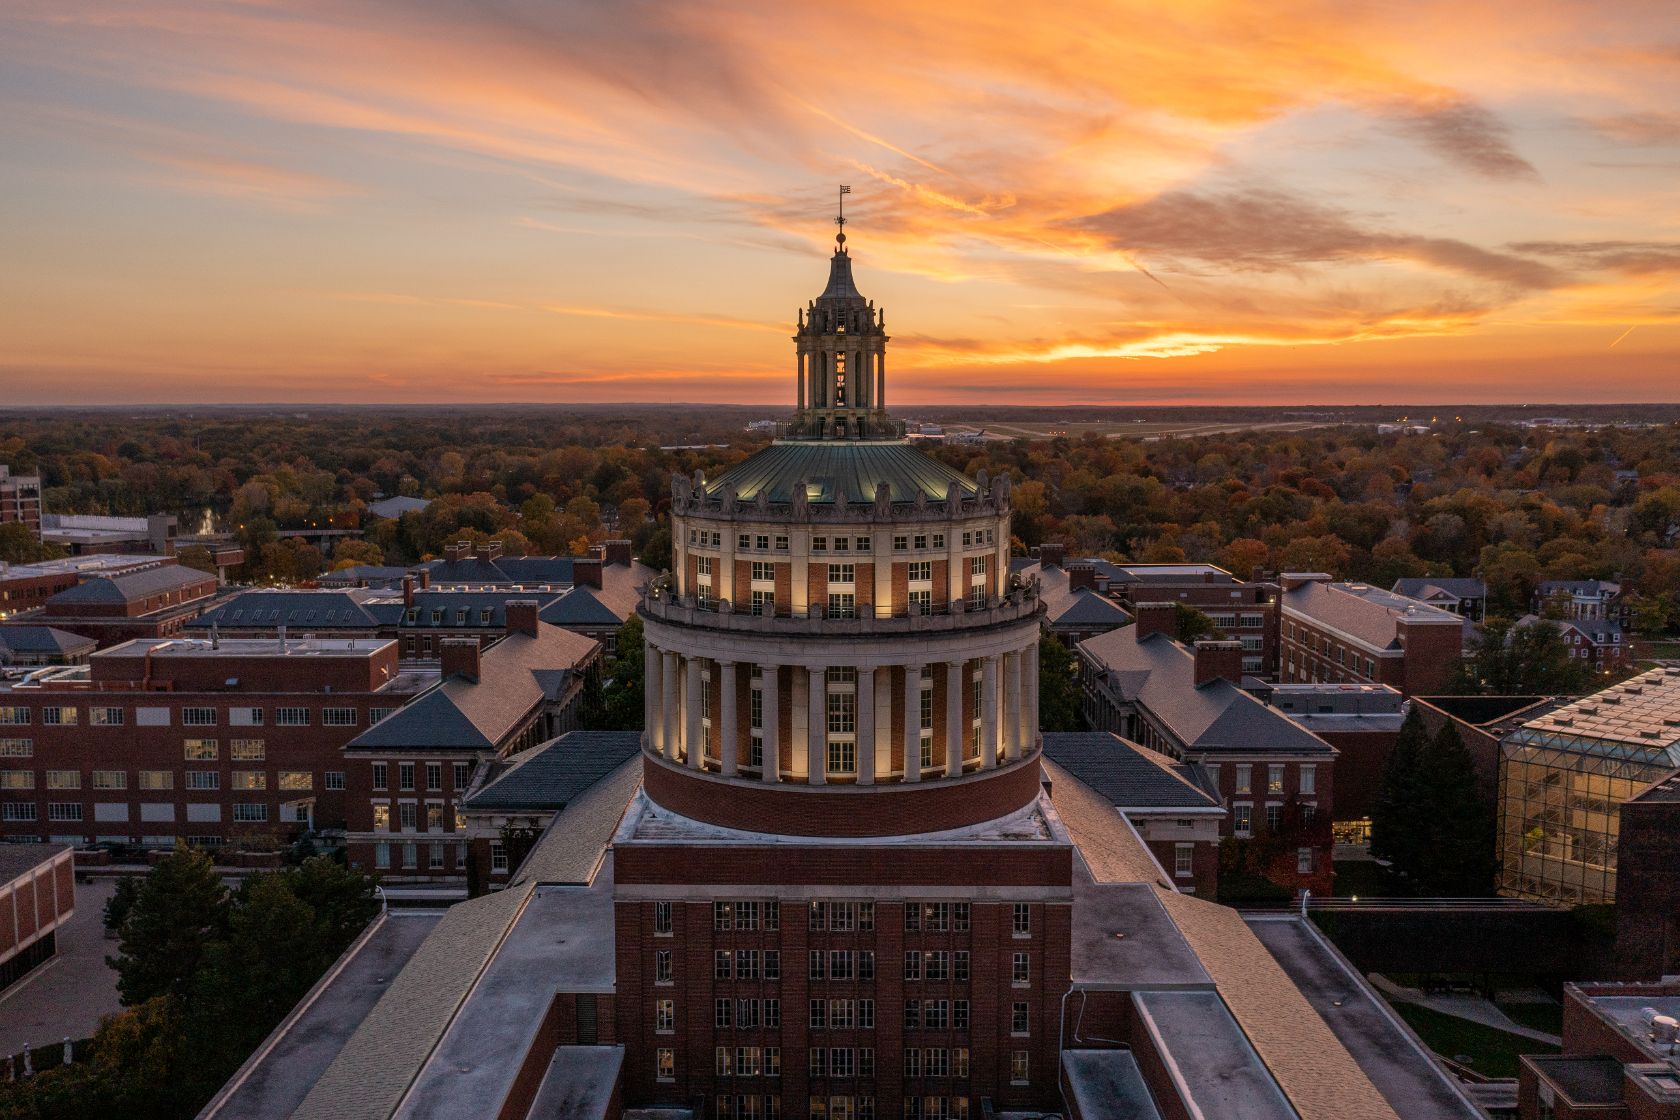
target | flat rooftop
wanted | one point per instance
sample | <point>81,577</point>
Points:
<point>1033,824</point>
<point>1583,1080</point>
<point>1624,1013</point>
<point>1211,1059</point>
<point>1124,939</point>
<point>98,565</point>
<point>248,647</point>
<point>562,941</point>
<point>1107,1085</point>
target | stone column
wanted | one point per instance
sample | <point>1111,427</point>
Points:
<point>956,565</point>
<point>729,731</point>
<point>803,403</point>
<point>799,573</point>
<point>816,726</point>
<point>1012,721</point>
<point>866,725</point>
<point>770,730</point>
<point>1030,715</point>
<point>912,723</point>
<point>954,685</point>
<point>881,542</point>
<point>723,582</point>
<point>695,739</point>
<point>881,380</point>
<point>653,688</point>
<point>668,733</point>
<point>989,712</point>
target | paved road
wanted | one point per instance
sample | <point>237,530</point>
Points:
<point>67,995</point>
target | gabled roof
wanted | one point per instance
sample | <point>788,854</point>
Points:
<point>548,776</point>
<point>1361,611</point>
<point>1599,630</point>
<point>391,612</point>
<point>1087,608</point>
<point>515,676</point>
<point>42,639</point>
<point>1130,776</point>
<point>579,607</point>
<point>1579,586</point>
<point>1427,587</point>
<point>129,586</point>
<point>1159,675</point>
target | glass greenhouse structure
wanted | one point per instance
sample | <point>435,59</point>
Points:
<point>1563,777</point>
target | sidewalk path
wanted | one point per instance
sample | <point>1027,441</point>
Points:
<point>1474,1008</point>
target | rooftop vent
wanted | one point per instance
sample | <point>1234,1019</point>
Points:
<point>1563,721</point>
<point>1611,700</point>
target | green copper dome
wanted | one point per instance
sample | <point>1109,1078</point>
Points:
<point>839,470</point>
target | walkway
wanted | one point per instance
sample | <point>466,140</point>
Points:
<point>1474,1008</point>
<point>68,995</point>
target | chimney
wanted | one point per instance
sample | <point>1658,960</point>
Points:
<point>1258,574</point>
<point>1081,575</point>
<point>1155,618</point>
<point>1052,555</point>
<point>617,553</point>
<point>459,658</point>
<point>1218,659</point>
<point>489,550</point>
<point>460,550</point>
<point>408,591</point>
<point>424,578</point>
<point>586,571</point>
<point>522,617</point>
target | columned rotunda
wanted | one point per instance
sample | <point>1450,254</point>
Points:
<point>841,620</point>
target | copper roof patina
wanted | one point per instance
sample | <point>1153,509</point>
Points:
<point>836,471</point>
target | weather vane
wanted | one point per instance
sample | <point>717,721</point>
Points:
<point>840,218</point>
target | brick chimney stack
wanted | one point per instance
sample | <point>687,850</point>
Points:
<point>617,553</point>
<point>522,617</point>
<point>408,591</point>
<point>1218,659</point>
<point>1156,618</point>
<point>423,578</point>
<point>1081,575</point>
<point>460,550</point>
<point>586,571</point>
<point>1052,555</point>
<point>459,658</point>
<point>489,550</point>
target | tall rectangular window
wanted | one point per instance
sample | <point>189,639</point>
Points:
<point>1021,919</point>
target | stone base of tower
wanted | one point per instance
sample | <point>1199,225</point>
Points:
<point>928,968</point>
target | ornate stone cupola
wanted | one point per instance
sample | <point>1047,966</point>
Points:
<point>842,356</point>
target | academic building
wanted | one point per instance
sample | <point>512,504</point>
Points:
<point>836,877</point>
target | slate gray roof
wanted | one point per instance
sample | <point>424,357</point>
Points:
<point>503,569</point>
<point>1087,609</point>
<point>42,639</point>
<point>390,610</point>
<point>477,715</point>
<point>841,471</point>
<point>371,1075</point>
<point>1130,776</point>
<point>306,609</point>
<point>580,607</point>
<point>1579,586</point>
<point>396,507</point>
<point>128,586</point>
<point>548,776</point>
<point>1422,587</point>
<point>1158,674</point>
<point>1367,613</point>
<point>1600,630</point>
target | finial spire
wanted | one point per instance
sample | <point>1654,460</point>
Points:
<point>840,218</point>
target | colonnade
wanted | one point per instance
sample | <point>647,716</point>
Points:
<point>679,690</point>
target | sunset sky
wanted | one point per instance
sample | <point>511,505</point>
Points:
<point>557,200</point>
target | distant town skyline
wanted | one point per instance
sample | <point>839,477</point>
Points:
<point>1221,203</point>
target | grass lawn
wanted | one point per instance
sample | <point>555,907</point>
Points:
<point>1492,1053</point>
<point>1546,1017</point>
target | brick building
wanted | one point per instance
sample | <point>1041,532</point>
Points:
<point>1245,610</point>
<point>23,646</point>
<point>155,602</point>
<point>1620,1059</point>
<point>1362,721</point>
<point>24,587</point>
<point>422,616</point>
<point>1171,805</point>
<point>216,743</point>
<point>838,878</point>
<point>1581,599</point>
<point>37,896</point>
<point>408,775</point>
<point>20,500</point>
<point>1352,632</point>
<point>1599,642</point>
<point>1648,883</point>
<point>1273,775</point>
<point>1465,596</point>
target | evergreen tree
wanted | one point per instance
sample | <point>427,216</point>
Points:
<point>180,910</point>
<point>617,704</point>
<point>1456,822</point>
<point>1396,818</point>
<point>1058,687</point>
<point>342,901</point>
